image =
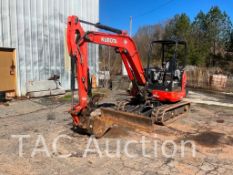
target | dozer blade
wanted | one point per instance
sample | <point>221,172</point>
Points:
<point>107,118</point>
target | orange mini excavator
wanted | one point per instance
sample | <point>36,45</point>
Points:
<point>156,92</point>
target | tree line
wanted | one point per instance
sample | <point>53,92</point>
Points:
<point>209,38</point>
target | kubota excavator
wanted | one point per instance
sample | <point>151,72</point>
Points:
<point>156,92</point>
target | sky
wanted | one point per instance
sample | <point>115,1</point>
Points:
<point>116,13</point>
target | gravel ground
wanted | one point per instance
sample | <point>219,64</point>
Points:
<point>208,129</point>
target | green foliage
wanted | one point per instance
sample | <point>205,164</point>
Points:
<point>229,45</point>
<point>178,27</point>
<point>209,37</point>
<point>211,31</point>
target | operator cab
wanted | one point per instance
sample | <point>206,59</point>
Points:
<point>165,73</point>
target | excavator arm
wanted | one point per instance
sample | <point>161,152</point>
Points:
<point>77,42</point>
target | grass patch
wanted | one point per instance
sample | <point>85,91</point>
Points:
<point>66,98</point>
<point>98,91</point>
<point>101,91</point>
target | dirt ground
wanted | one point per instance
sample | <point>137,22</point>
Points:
<point>208,129</point>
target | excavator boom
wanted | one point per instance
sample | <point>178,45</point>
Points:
<point>77,40</point>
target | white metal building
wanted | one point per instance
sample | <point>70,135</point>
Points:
<point>35,31</point>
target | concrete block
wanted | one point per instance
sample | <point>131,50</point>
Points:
<point>46,93</point>
<point>58,92</point>
<point>42,85</point>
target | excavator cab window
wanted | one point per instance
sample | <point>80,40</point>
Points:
<point>166,75</point>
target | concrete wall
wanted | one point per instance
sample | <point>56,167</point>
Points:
<point>36,29</point>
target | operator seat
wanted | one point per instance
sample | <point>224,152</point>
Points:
<point>171,67</point>
<point>172,75</point>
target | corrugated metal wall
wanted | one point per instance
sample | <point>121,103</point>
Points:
<point>36,28</point>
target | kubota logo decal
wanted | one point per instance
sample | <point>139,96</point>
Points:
<point>109,40</point>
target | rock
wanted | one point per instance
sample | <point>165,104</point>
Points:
<point>221,170</point>
<point>213,172</point>
<point>207,167</point>
<point>150,173</point>
<point>201,173</point>
<point>228,172</point>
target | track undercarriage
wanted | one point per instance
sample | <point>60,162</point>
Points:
<point>159,113</point>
